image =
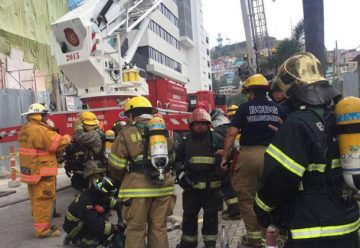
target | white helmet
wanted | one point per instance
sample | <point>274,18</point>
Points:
<point>36,108</point>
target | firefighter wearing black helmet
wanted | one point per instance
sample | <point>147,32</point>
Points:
<point>302,187</point>
<point>201,180</point>
<point>86,221</point>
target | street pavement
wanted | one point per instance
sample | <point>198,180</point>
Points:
<point>16,222</point>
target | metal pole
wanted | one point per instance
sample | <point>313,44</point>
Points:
<point>314,28</point>
<point>120,57</point>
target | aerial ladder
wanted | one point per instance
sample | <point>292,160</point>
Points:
<point>88,44</point>
<point>257,38</point>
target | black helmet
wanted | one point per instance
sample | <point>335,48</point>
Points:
<point>104,186</point>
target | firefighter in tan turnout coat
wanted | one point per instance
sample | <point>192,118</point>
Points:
<point>38,145</point>
<point>150,188</point>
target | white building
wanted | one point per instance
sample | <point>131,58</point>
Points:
<point>176,45</point>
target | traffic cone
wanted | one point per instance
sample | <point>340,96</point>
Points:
<point>13,183</point>
<point>271,240</point>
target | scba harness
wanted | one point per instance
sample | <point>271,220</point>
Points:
<point>77,156</point>
<point>153,166</point>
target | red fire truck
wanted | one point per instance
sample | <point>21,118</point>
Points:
<point>86,43</point>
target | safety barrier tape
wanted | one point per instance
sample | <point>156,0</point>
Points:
<point>9,156</point>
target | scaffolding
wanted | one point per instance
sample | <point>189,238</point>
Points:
<point>2,77</point>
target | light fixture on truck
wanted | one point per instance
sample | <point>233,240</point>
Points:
<point>71,37</point>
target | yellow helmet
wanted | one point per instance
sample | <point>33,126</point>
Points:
<point>89,118</point>
<point>156,124</point>
<point>140,103</point>
<point>255,81</point>
<point>36,108</point>
<point>109,135</point>
<point>232,110</point>
<point>296,76</point>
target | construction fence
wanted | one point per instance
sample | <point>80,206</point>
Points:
<point>13,103</point>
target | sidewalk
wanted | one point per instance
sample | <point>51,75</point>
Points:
<point>234,228</point>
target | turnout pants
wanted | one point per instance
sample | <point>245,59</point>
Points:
<point>245,181</point>
<point>230,196</point>
<point>148,214</point>
<point>42,197</point>
<point>349,241</point>
<point>210,200</point>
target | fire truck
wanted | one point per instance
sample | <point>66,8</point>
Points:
<point>87,43</point>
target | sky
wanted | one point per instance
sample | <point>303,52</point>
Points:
<point>341,20</point>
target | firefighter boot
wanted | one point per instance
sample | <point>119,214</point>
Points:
<point>231,213</point>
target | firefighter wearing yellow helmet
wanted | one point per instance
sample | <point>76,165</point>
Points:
<point>109,140</point>
<point>89,139</point>
<point>302,182</point>
<point>38,145</point>
<point>132,162</point>
<point>231,111</point>
<point>252,118</point>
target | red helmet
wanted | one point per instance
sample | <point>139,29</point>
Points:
<point>200,115</point>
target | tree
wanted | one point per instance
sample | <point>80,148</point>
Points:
<point>285,50</point>
<point>236,99</point>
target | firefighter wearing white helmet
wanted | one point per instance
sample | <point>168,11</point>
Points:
<point>303,189</point>
<point>221,123</point>
<point>89,140</point>
<point>150,185</point>
<point>200,179</point>
<point>38,145</point>
<point>252,118</point>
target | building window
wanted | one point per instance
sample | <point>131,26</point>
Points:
<point>163,59</point>
<point>207,40</point>
<point>209,75</point>
<point>207,51</point>
<point>156,28</point>
<point>185,22</point>
<point>168,14</point>
<point>208,64</point>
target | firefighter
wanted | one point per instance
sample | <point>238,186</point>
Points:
<point>117,126</point>
<point>38,145</point>
<point>278,96</point>
<point>109,140</point>
<point>150,187</point>
<point>253,118</point>
<point>89,136</point>
<point>230,114</point>
<point>86,222</point>
<point>302,186</point>
<point>220,123</point>
<point>201,180</point>
<point>231,111</point>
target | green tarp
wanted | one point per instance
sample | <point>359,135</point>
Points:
<point>25,25</point>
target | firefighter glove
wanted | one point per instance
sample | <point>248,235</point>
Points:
<point>119,228</point>
<point>183,180</point>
